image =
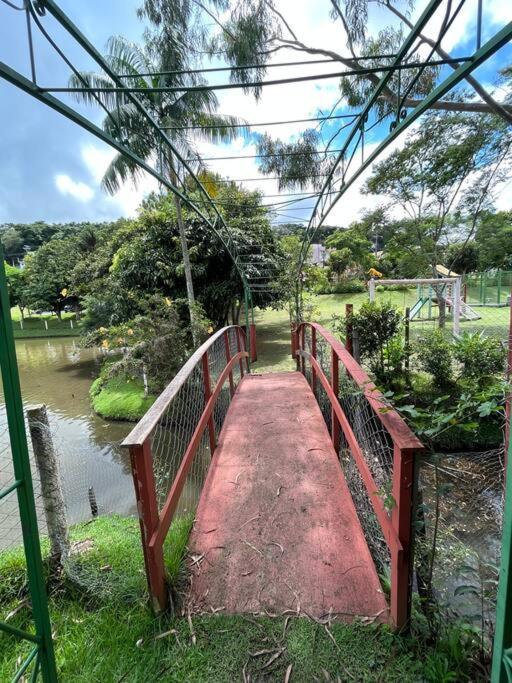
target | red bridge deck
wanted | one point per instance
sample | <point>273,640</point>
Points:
<point>276,528</point>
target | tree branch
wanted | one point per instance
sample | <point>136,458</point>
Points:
<point>495,107</point>
<point>273,9</point>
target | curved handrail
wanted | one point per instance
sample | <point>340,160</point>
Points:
<point>396,524</point>
<point>149,421</point>
<point>398,429</point>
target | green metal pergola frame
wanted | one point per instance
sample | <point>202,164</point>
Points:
<point>326,201</point>
<point>41,656</point>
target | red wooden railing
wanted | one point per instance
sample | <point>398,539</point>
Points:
<point>175,412</point>
<point>329,363</point>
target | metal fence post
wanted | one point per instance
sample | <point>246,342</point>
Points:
<point>502,652</point>
<point>145,494</point>
<point>407,326</point>
<point>23,487</point>
<point>456,307</point>
<point>207,394</point>
<point>401,519</point>
<point>252,342</point>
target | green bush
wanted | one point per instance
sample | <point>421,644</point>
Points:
<point>435,355</point>
<point>481,357</point>
<point>377,326</point>
<point>348,287</point>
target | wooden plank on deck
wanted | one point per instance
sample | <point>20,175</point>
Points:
<point>276,528</point>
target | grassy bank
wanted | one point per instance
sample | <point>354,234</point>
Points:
<point>104,631</point>
<point>119,398</point>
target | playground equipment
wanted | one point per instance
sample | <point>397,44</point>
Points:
<point>446,288</point>
<point>436,286</point>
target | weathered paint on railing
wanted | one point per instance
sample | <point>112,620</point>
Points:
<point>154,525</point>
<point>397,526</point>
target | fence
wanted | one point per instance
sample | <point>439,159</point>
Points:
<point>487,288</point>
<point>171,447</point>
<point>460,521</point>
<point>88,472</point>
<point>377,452</point>
<point>16,481</point>
<point>420,304</point>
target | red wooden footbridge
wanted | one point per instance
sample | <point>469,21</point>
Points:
<point>300,484</point>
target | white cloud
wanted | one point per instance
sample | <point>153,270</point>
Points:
<point>67,186</point>
<point>128,198</point>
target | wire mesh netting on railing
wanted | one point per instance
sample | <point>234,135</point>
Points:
<point>374,440</point>
<point>177,423</point>
<point>459,527</point>
<point>97,478</point>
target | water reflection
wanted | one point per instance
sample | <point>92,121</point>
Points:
<point>58,372</point>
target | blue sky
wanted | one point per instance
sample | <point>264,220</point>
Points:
<point>51,169</point>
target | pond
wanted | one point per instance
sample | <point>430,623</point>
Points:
<point>58,372</point>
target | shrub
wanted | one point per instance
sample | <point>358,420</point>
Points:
<point>348,287</point>
<point>435,355</point>
<point>481,357</point>
<point>380,288</point>
<point>377,325</point>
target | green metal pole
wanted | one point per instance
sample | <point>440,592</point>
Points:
<point>499,286</point>
<point>502,653</point>
<point>247,328</point>
<point>21,465</point>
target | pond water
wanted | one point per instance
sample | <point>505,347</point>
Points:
<point>58,373</point>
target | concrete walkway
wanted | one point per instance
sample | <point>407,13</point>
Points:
<point>276,528</point>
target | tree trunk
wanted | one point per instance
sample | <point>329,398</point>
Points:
<point>48,467</point>
<point>187,268</point>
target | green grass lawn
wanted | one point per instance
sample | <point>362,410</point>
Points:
<point>273,327</point>
<point>34,325</point>
<point>104,631</point>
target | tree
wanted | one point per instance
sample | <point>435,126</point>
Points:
<point>255,30</point>
<point>17,287</point>
<point>349,249</point>
<point>48,274</point>
<point>493,240</point>
<point>142,258</point>
<point>442,179</point>
<point>152,66</point>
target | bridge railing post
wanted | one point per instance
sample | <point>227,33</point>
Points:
<point>145,494</point>
<point>313,354</point>
<point>207,393</point>
<point>294,341</point>
<point>303,347</point>
<point>335,382</point>
<point>401,520</point>
<point>228,358</point>
<point>239,344</point>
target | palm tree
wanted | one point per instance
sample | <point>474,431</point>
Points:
<point>147,68</point>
